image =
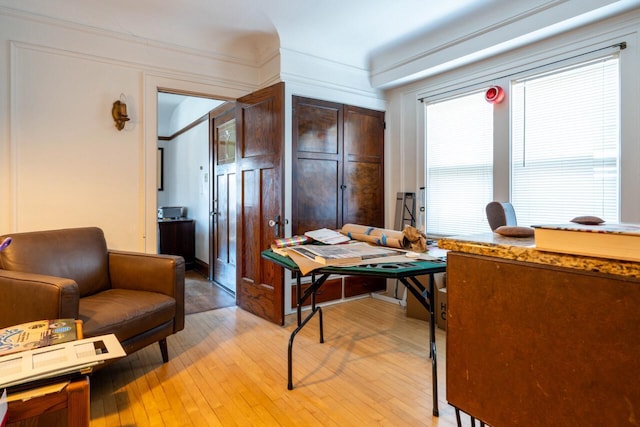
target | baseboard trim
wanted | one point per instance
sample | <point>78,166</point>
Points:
<point>202,268</point>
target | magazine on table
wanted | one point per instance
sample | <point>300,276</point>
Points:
<point>41,333</point>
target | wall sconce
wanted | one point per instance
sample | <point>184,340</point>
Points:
<point>119,112</point>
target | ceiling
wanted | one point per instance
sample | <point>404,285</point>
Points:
<point>372,35</point>
<point>351,32</point>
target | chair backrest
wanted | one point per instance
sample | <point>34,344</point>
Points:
<point>499,214</point>
<point>79,254</point>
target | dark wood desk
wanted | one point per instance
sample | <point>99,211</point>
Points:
<point>178,237</point>
<point>405,272</point>
<point>538,339</point>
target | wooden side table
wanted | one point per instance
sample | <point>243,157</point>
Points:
<point>73,396</point>
<point>40,401</point>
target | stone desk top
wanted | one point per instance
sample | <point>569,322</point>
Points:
<point>523,249</point>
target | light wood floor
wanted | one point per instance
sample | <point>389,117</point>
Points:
<point>228,367</point>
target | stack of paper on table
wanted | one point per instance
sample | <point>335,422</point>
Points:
<point>57,360</point>
<point>349,255</point>
<point>327,236</point>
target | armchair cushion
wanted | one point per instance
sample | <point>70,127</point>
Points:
<point>127,312</point>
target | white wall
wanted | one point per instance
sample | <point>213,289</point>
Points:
<point>62,161</point>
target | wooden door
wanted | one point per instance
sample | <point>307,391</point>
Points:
<point>259,154</point>
<point>363,167</point>
<point>222,243</point>
<point>317,165</point>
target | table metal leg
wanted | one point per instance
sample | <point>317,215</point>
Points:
<point>432,337</point>
<point>301,298</point>
<point>429,302</point>
<point>292,337</point>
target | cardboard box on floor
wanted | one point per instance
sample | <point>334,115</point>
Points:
<point>415,310</point>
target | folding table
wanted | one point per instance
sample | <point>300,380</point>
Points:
<point>405,272</point>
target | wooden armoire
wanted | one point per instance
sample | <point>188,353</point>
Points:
<point>338,176</point>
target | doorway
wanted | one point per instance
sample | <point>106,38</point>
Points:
<point>184,167</point>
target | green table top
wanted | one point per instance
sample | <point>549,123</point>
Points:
<point>389,270</point>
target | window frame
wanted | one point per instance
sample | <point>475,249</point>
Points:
<point>501,69</point>
<point>560,67</point>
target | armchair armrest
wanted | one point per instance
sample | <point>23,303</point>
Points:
<point>149,272</point>
<point>27,297</point>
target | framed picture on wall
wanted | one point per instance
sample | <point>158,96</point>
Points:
<point>160,169</point>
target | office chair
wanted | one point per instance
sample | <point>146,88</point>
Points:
<point>500,214</point>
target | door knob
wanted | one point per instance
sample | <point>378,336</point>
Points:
<point>276,223</point>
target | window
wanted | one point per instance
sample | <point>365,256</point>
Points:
<point>565,144</point>
<point>459,135</point>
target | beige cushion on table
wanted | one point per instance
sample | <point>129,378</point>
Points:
<point>587,220</point>
<point>514,231</point>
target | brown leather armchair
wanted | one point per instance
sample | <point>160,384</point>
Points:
<point>70,273</point>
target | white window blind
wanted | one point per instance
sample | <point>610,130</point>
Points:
<point>565,144</point>
<point>459,135</point>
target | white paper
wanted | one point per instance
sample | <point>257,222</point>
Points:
<point>59,359</point>
<point>327,236</point>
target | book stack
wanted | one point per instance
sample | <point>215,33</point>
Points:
<point>614,241</point>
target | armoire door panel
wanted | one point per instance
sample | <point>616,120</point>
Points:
<point>364,199</point>
<point>364,133</point>
<point>363,166</point>
<point>317,128</point>
<point>318,199</point>
<point>317,165</point>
